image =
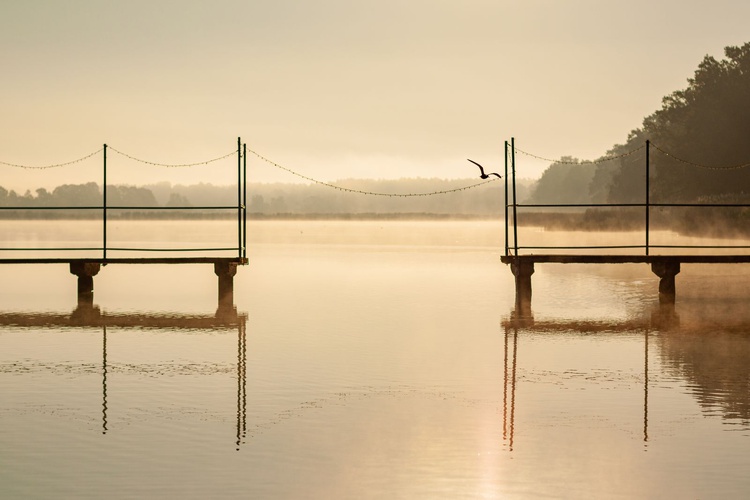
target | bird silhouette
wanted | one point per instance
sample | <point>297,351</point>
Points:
<point>482,174</point>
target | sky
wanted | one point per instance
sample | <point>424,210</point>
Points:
<point>336,89</point>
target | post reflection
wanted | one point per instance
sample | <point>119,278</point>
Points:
<point>241,385</point>
<point>89,315</point>
<point>523,319</point>
<point>510,380</point>
<point>104,379</point>
<point>645,388</point>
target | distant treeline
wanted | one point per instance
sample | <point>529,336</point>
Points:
<point>277,200</point>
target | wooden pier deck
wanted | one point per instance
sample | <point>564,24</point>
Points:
<point>85,269</point>
<point>666,267</point>
<point>626,259</point>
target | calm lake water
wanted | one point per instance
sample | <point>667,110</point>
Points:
<point>369,360</point>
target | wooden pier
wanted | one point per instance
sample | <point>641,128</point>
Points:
<point>86,268</point>
<point>666,267</point>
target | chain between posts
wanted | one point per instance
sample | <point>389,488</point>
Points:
<point>57,165</point>
<point>175,165</point>
<point>615,157</point>
<point>693,164</point>
<point>531,155</point>
<point>581,162</point>
<point>359,191</point>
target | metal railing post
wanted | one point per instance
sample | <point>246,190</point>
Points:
<point>239,197</point>
<point>515,202</point>
<point>244,200</point>
<point>505,201</point>
<point>648,192</point>
<point>104,207</point>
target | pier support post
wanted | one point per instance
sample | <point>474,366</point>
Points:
<point>85,272</point>
<point>226,271</point>
<point>666,270</point>
<point>523,270</point>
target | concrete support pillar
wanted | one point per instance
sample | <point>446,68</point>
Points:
<point>85,272</point>
<point>666,270</point>
<point>226,271</point>
<point>523,270</point>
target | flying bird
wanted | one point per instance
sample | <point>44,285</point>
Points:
<point>482,174</point>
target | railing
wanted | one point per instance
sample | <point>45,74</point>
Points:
<point>647,205</point>
<point>106,209</point>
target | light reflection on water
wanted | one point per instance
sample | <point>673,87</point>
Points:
<point>384,366</point>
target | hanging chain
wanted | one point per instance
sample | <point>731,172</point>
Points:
<point>582,162</point>
<point>57,165</point>
<point>693,164</point>
<point>173,165</point>
<point>358,191</point>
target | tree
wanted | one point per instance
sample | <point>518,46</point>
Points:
<point>565,181</point>
<point>704,125</point>
<point>130,196</point>
<point>177,200</point>
<point>77,195</point>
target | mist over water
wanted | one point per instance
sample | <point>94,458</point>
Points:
<point>378,359</point>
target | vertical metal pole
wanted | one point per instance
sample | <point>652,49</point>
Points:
<point>239,197</point>
<point>505,201</point>
<point>104,207</point>
<point>648,191</point>
<point>515,210</point>
<point>244,200</point>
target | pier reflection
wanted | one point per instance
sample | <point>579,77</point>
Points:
<point>225,318</point>
<point>710,351</point>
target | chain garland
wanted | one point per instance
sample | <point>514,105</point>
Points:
<point>370,193</point>
<point>692,164</point>
<point>340,188</point>
<point>583,162</point>
<point>57,165</point>
<point>168,165</point>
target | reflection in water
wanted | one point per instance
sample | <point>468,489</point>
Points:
<point>90,316</point>
<point>665,317</point>
<point>715,364</point>
<point>104,379</point>
<point>645,388</point>
<point>709,347</point>
<point>512,381</point>
<point>710,353</point>
<point>241,384</point>
<point>525,320</point>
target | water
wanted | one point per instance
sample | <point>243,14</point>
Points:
<point>373,360</point>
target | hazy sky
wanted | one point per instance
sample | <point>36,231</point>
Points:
<point>338,88</point>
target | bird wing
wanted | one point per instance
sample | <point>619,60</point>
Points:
<point>478,165</point>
